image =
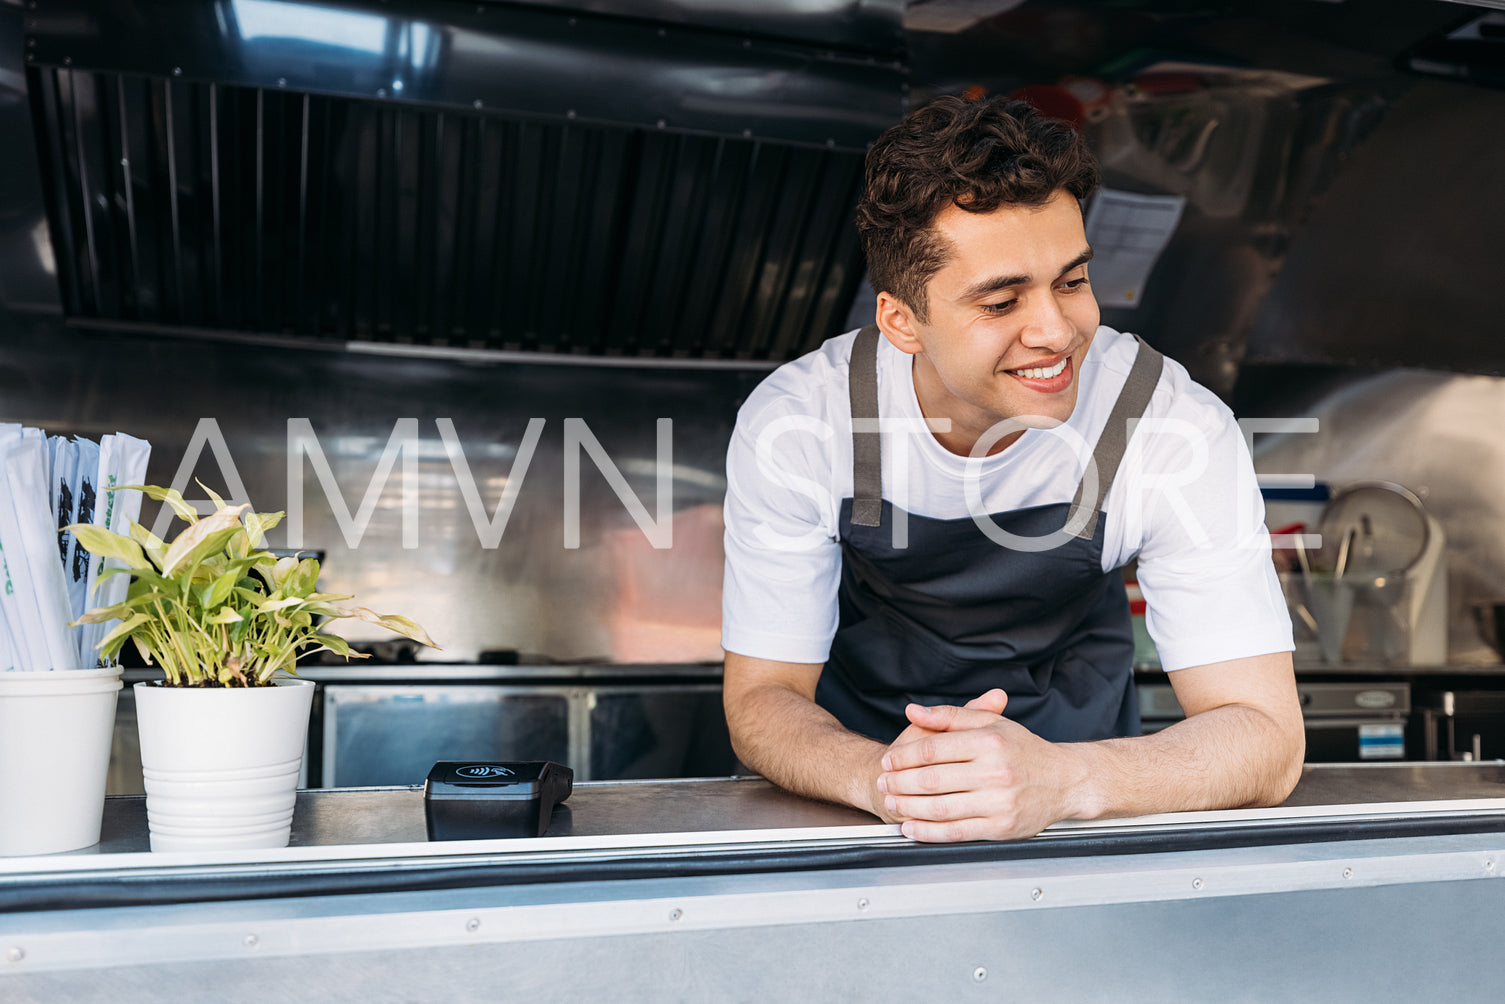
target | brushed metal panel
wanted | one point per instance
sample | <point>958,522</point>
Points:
<point>614,598</point>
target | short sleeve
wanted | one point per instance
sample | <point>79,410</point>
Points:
<point>783,563</point>
<point>1205,569</point>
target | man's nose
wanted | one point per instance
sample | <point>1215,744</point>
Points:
<point>1046,325</point>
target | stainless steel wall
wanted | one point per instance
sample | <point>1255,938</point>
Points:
<point>224,223</point>
<point>613,598</point>
<point>1370,174</point>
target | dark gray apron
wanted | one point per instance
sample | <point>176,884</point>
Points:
<point>955,614</point>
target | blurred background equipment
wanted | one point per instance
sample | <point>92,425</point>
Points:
<point>1383,549</point>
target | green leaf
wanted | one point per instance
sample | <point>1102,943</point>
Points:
<point>203,578</point>
<point>239,546</point>
<point>107,653</point>
<point>279,572</point>
<point>171,496</point>
<point>206,557</point>
<point>304,579</point>
<point>225,615</point>
<point>219,503</point>
<point>101,614</point>
<point>333,643</point>
<point>241,567</point>
<point>123,631</point>
<point>266,672</point>
<point>392,622</point>
<point>259,523</point>
<point>219,592</point>
<point>203,538</point>
<point>98,540</point>
<point>150,543</point>
<point>251,597</point>
<point>147,578</point>
<point>271,606</point>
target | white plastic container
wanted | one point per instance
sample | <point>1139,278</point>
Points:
<point>221,764</point>
<point>55,732</point>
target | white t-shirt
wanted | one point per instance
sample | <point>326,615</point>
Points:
<point>1185,502</point>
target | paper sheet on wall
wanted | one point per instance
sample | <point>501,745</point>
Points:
<point>1127,232</point>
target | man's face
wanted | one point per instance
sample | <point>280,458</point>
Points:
<point>1011,317</point>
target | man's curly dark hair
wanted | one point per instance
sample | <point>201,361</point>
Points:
<point>975,155</point>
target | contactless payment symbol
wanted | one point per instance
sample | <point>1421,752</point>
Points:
<point>483,770</point>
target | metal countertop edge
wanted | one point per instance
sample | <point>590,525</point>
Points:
<point>620,846</point>
<point>137,886</point>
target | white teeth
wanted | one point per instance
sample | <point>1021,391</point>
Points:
<point>1039,373</point>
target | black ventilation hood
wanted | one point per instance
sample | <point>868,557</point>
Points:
<point>530,177</point>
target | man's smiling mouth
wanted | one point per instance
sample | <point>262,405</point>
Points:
<point>1042,372</point>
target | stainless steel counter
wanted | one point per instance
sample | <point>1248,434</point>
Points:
<point>729,889</point>
<point>367,816</point>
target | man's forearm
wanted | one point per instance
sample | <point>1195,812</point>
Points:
<point>1232,756</point>
<point>800,746</point>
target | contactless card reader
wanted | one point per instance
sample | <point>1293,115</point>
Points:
<point>482,799</point>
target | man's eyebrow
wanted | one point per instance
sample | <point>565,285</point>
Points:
<point>1078,261</point>
<point>987,287</point>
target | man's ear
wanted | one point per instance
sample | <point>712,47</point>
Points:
<point>896,321</point>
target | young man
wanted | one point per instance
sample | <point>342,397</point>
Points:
<point>924,613</point>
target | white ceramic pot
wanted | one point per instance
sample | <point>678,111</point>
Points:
<point>221,763</point>
<point>55,731</point>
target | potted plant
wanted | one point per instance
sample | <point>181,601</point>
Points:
<point>222,737</point>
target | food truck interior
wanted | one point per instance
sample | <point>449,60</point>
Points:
<point>396,267</point>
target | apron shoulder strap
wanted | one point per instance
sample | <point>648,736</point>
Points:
<point>867,447</point>
<point>1107,456</point>
<point>1132,401</point>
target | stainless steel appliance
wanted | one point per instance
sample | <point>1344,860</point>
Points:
<point>384,725</point>
<point>604,722</point>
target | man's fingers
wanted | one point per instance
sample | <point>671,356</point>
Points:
<point>927,739</point>
<point>936,808</point>
<point>933,779</point>
<point>978,712</point>
<point>948,746</point>
<point>948,718</point>
<point>994,701</point>
<point>963,815</point>
<point>956,830</point>
<point>937,747</point>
